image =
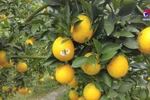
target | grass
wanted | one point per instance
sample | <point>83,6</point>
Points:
<point>38,91</point>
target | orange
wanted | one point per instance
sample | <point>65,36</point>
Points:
<point>29,92</point>
<point>73,83</point>
<point>3,16</point>
<point>30,41</point>
<point>5,88</point>
<point>14,89</point>
<point>64,74</point>
<point>81,98</point>
<point>23,90</point>
<point>83,32</point>
<point>90,92</point>
<point>41,80</point>
<point>91,69</point>
<point>51,77</point>
<point>144,40</point>
<point>3,61</point>
<point>118,67</point>
<point>1,98</point>
<point>63,49</point>
<point>22,67</point>
<point>28,0</point>
<point>73,95</point>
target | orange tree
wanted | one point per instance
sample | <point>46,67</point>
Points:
<point>99,48</point>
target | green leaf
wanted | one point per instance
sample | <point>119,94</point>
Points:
<point>34,28</point>
<point>98,85</point>
<point>111,47</point>
<point>107,79</point>
<point>132,29</point>
<point>125,87</point>
<point>98,46</point>
<point>123,34</point>
<point>127,9</point>
<point>79,61</point>
<point>122,96</point>
<point>107,55</point>
<point>64,40</point>
<point>99,27</point>
<point>52,2</point>
<point>112,93</point>
<point>140,9</point>
<point>108,26</point>
<point>84,4</point>
<point>91,59</point>
<point>104,97</point>
<point>76,24</point>
<point>130,43</point>
<point>142,94</point>
<point>116,4</point>
<point>67,13</point>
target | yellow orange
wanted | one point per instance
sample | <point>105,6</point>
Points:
<point>5,88</point>
<point>22,67</point>
<point>91,69</point>
<point>28,0</point>
<point>73,83</point>
<point>23,90</point>
<point>63,49</point>
<point>3,17</point>
<point>81,98</point>
<point>144,40</point>
<point>3,61</point>
<point>29,41</point>
<point>73,95</point>
<point>83,32</point>
<point>90,92</point>
<point>64,74</point>
<point>118,67</point>
<point>51,77</point>
<point>14,89</point>
<point>41,80</point>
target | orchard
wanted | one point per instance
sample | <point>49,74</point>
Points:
<point>100,49</point>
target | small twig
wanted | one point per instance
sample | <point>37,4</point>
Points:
<point>34,13</point>
<point>31,57</point>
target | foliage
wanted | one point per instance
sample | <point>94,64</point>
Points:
<point>116,24</point>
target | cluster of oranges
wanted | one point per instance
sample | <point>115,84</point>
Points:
<point>64,50</point>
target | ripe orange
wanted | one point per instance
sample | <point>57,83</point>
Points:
<point>22,67</point>
<point>73,95</point>
<point>14,89</point>
<point>118,67</point>
<point>91,69</point>
<point>63,49</point>
<point>83,31</point>
<point>30,41</point>
<point>144,40</point>
<point>3,61</point>
<point>41,80</point>
<point>28,0</point>
<point>81,98</point>
<point>3,16</point>
<point>5,88</point>
<point>29,92</point>
<point>64,74</point>
<point>73,83</point>
<point>23,90</point>
<point>51,77</point>
<point>90,92</point>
